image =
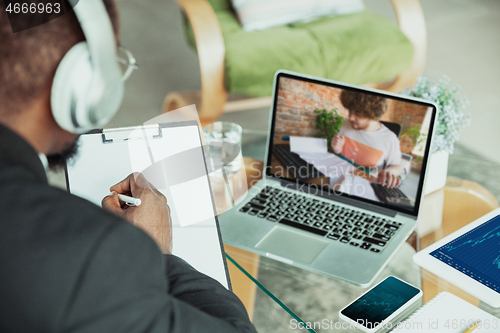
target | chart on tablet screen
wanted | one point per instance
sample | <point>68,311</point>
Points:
<point>476,253</point>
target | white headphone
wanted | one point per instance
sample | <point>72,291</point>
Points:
<point>88,89</point>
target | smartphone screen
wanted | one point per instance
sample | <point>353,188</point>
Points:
<point>380,302</point>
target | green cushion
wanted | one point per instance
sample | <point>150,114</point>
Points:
<point>361,48</point>
<point>252,58</point>
<point>358,48</point>
<point>219,5</point>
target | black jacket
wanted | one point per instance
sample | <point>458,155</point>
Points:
<point>68,265</point>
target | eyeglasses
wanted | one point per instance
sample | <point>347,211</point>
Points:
<point>126,61</point>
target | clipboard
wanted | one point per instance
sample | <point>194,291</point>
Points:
<point>171,156</point>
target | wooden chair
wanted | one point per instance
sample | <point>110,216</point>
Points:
<point>213,99</point>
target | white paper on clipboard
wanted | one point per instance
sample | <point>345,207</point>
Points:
<point>107,157</point>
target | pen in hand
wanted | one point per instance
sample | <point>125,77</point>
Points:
<point>128,200</point>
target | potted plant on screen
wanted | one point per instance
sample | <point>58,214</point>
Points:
<point>329,123</point>
<point>451,122</point>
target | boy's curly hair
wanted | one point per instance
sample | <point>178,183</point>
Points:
<point>364,105</point>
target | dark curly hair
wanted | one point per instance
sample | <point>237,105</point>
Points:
<point>364,105</point>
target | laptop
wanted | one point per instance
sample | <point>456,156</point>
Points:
<point>334,224</point>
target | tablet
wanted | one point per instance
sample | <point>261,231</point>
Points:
<point>469,258</point>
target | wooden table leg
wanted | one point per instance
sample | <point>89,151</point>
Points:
<point>243,287</point>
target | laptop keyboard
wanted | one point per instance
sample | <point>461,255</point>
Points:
<point>382,191</point>
<point>336,223</point>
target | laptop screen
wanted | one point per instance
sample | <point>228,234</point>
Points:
<point>347,141</point>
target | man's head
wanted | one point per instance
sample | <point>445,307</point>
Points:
<point>363,108</point>
<point>28,62</point>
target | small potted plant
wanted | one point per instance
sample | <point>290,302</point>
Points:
<point>329,123</point>
<point>451,122</point>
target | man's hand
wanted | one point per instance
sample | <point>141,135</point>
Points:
<point>152,215</point>
<point>337,143</point>
<point>389,177</point>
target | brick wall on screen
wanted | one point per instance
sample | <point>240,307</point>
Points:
<point>407,115</point>
<point>297,100</point>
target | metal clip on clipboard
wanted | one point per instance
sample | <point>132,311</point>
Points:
<point>126,133</point>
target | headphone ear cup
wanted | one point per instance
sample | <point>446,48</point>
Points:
<point>69,88</point>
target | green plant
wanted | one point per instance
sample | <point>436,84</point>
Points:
<point>450,102</point>
<point>414,135</point>
<point>412,132</point>
<point>328,122</point>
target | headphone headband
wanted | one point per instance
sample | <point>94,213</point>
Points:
<point>98,30</point>
<point>83,100</point>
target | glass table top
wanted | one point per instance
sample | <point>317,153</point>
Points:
<point>278,296</point>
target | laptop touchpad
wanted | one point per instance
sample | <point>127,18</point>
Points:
<point>292,245</point>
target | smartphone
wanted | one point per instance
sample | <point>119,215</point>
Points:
<point>376,308</point>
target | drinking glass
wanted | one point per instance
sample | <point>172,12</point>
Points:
<point>224,142</point>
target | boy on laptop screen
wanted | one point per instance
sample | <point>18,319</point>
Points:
<point>364,140</point>
<point>370,157</point>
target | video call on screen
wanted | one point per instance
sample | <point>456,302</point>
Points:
<point>301,150</point>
